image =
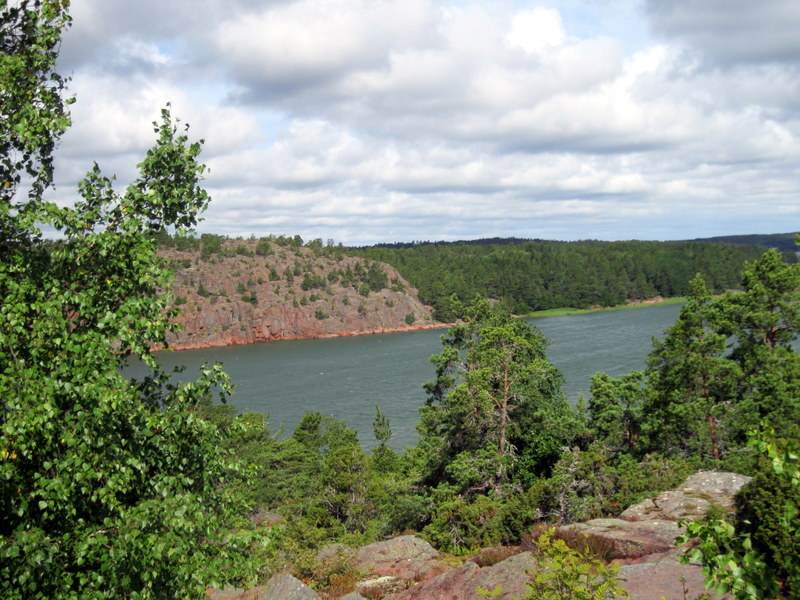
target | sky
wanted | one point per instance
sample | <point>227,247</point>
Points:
<point>368,121</point>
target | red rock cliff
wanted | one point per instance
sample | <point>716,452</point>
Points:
<point>236,296</point>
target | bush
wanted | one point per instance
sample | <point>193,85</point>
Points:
<point>562,573</point>
<point>760,513</point>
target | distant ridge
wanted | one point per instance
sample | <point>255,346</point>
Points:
<point>779,241</point>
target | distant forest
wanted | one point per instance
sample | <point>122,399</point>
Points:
<point>783,242</point>
<point>532,275</point>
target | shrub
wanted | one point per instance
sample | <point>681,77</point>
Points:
<point>760,513</point>
<point>562,573</point>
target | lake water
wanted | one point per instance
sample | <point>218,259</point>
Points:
<point>346,377</point>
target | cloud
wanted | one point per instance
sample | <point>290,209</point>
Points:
<point>732,31</point>
<point>386,120</point>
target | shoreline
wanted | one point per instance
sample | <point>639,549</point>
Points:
<point>552,312</point>
<point>179,347</point>
<point>566,311</point>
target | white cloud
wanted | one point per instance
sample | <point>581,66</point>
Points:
<point>385,120</point>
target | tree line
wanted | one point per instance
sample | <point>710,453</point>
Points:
<point>538,275</point>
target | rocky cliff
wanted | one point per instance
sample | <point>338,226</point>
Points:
<point>258,291</point>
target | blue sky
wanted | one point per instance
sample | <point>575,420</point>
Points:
<point>369,121</point>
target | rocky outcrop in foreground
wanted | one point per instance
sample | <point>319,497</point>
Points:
<point>642,540</point>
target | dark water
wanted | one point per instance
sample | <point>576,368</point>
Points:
<point>346,377</point>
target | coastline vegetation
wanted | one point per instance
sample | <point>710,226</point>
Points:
<point>565,311</point>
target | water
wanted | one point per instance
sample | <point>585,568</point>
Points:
<point>346,377</point>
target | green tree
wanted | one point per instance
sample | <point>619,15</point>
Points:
<point>726,364</point>
<point>692,382</point>
<point>615,409</point>
<point>496,398</point>
<point>110,487</point>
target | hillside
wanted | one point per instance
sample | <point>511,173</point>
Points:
<point>539,275</point>
<point>233,292</point>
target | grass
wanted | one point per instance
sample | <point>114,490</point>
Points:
<point>560,312</point>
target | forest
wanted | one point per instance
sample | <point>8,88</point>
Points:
<point>531,275</point>
<point>145,488</point>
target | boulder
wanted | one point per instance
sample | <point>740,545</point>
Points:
<point>406,557</point>
<point>690,501</point>
<point>286,587</point>
<point>615,538</point>
<point>461,583</point>
<point>280,587</point>
<point>404,547</point>
<point>665,578</point>
<point>379,587</point>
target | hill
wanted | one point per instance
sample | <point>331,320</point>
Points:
<point>785,242</point>
<point>244,291</point>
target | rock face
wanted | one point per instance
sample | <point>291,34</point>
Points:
<point>652,525</point>
<point>236,296</point>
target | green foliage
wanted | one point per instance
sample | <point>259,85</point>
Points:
<point>535,275</point>
<point>702,396</point>
<point>562,573</point>
<point>460,526</point>
<point>264,248</point>
<point>210,244</point>
<point>595,482</point>
<point>732,560</point>
<point>495,413</point>
<point>761,517</point>
<point>410,319</point>
<point>34,113</point>
<point>111,487</point>
<point>615,409</point>
<point>320,314</point>
<point>381,427</point>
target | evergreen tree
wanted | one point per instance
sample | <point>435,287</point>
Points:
<point>692,382</point>
<point>615,409</point>
<point>495,406</point>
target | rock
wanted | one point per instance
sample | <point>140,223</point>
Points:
<point>378,587</point>
<point>404,547</point>
<point>665,578</point>
<point>462,583</point>
<point>231,594</point>
<point>616,538</point>
<point>286,587</point>
<point>280,587</point>
<point>691,501</point>
<point>353,596</point>
<point>407,558</point>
